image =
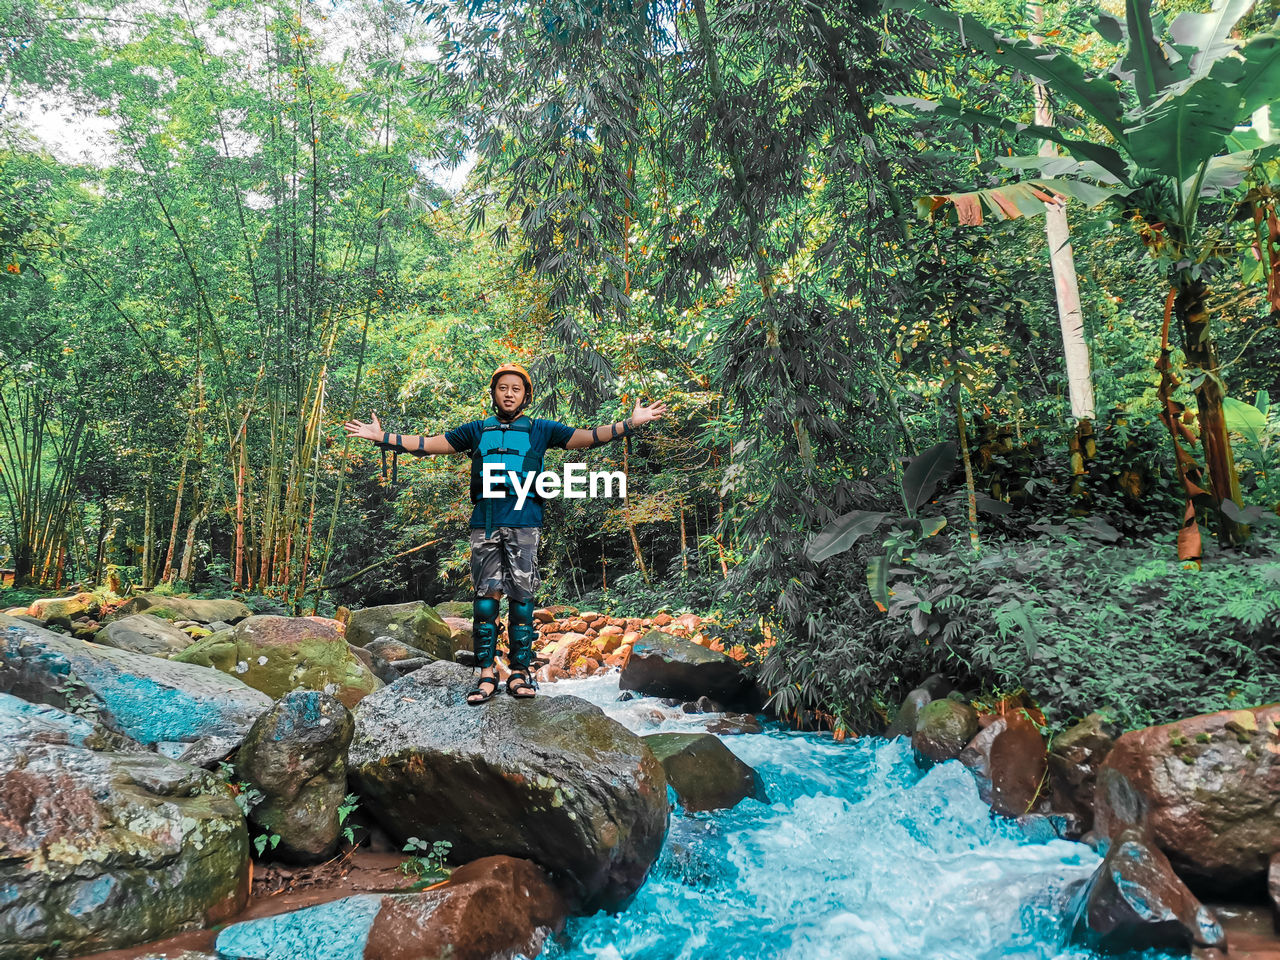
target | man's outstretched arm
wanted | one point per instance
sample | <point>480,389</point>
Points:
<point>582,439</point>
<point>403,443</point>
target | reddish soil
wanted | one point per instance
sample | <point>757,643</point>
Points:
<point>279,888</point>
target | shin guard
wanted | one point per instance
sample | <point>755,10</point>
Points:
<point>484,630</point>
<point>520,633</point>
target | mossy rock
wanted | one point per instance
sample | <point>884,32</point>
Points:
<point>455,608</point>
<point>416,624</point>
<point>279,654</point>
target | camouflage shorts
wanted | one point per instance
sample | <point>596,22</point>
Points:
<point>507,561</point>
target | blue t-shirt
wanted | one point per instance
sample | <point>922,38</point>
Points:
<point>544,435</point>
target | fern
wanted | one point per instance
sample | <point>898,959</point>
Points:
<point>1251,611</point>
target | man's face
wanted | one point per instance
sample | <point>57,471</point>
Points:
<point>509,392</point>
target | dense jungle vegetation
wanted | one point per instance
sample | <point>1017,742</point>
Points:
<point>911,429</point>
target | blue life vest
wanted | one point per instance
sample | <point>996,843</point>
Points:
<point>509,446</point>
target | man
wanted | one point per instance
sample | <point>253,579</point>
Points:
<point>506,528</point>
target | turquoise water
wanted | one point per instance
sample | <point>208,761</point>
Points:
<point>859,855</point>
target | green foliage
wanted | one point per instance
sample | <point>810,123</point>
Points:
<point>350,803</point>
<point>426,861</point>
<point>1078,621</point>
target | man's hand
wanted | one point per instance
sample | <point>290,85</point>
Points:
<point>642,414</point>
<point>364,431</point>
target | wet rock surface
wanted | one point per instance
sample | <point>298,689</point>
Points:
<point>704,772</point>
<point>105,848</point>
<point>296,756</point>
<point>278,654</point>
<point>551,779</point>
<point>1009,759</point>
<point>147,698</point>
<point>943,729</point>
<point>144,633</point>
<point>1136,901</point>
<point>1211,784</point>
<point>662,665</point>
<point>415,624</point>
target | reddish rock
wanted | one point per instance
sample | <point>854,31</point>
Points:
<point>630,637</point>
<point>734,723</point>
<point>634,624</point>
<point>493,907</point>
<point>1212,786</point>
<point>543,615</point>
<point>586,667</point>
<point>690,621</point>
<point>1074,759</point>
<point>571,647</point>
<point>1008,758</point>
<point>610,642</point>
<point>576,625</point>
<point>662,619</point>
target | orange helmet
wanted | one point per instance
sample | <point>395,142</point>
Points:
<point>515,368</point>
<point>523,374</point>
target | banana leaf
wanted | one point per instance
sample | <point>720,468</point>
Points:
<point>1096,97</point>
<point>1106,157</point>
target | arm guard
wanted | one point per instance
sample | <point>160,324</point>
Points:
<point>628,428</point>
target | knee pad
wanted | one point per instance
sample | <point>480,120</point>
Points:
<point>484,630</point>
<point>521,633</point>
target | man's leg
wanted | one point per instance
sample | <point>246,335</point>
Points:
<point>522,560</point>
<point>486,580</point>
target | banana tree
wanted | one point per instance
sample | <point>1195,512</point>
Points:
<point>1163,132</point>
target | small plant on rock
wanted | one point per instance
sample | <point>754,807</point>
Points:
<point>426,860</point>
<point>349,804</point>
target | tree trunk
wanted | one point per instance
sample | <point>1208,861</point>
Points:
<point>167,574</point>
<point>188,552</point>
<point>1191,308</point>
<point>684,543</point>
<point>1075,350</point>
<point>626,512</point>
<point>147,542</point>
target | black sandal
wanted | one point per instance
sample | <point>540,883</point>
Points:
<point>477,691</point>
<point>518,681</point>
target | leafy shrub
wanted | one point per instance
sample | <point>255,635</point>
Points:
<point>1080,622</point>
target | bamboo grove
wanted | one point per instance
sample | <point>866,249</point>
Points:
<point>813,229</point>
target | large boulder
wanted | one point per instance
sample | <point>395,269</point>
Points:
<point>185,608</point>
<point>296,755</point>
<point>1212,787</point>
<point>416,624</point>
<point>703,771</point>
<point>102,849</point>
<point>1074,759</point>
<point>943,729</point>
<point>143,633</point>
<point>147,698</point>
<point>494,907</point>
<point>1134,901</point>
<point>550,779</point>
<point>1008,758</point>
<point>662,665</point>
<point>280,654</point>
<point>60,611</point>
